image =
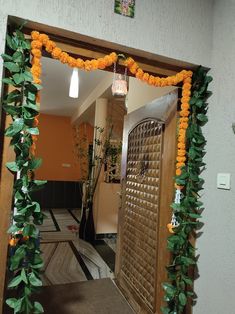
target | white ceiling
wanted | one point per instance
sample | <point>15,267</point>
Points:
<point>56,80</point>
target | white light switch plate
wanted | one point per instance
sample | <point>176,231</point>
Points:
<point>223,181</point>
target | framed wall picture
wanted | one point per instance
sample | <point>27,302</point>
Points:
<point>125,7</point>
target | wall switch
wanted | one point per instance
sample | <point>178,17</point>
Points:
<point>223,181</point>
<point>66,165</point>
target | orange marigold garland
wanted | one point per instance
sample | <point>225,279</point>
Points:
<point>42,40</point>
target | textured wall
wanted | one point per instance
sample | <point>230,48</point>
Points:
<point>216,285</point>
<point>170,28</point>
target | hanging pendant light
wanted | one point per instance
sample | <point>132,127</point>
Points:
<point>74,84</point>
<point>119,86</point>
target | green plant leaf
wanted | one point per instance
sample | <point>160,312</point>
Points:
<point>10,42</point>
<point>38,308</point>
<point>11,302</point>
<point>16,127</point>
<point>12,166</point>
<point>23,276</point>
<point>182,298</point>
<point>11,66</point>
<point>12,110</point>
<point>15,282</point>
<point>17,56</point>
<point>35,163</point>
<point>36,282</point>
<point>18,78</point>
<point>6,57</point>
<point>33,131</point>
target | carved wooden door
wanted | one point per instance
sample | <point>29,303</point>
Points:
<point>147,190</point>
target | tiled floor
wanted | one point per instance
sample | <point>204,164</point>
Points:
<point>69,259</point>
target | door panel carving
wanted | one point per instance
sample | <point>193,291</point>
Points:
<point>149,144</point>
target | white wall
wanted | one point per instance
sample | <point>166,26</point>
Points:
<point>140,94</point>
<point>216,285</point>
<point>183,30</point>
<point>170,28</point>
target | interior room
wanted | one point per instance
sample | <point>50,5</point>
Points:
<point>67,130</point>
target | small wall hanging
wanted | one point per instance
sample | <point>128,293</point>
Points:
<point>125,7</point>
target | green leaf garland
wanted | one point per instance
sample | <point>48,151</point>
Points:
<point>25,261</point>
<point>179,291</point>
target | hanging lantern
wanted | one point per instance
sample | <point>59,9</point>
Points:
<point>119,86</point>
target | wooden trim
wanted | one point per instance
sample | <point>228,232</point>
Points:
<point>166,196</point>
<point>6,193</point>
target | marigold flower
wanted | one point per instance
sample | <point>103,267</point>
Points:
<point>188,80</point>
<point>36,44</point>
<point>133,69</point>
<point>157,81</point>
<point>36,52</point>
<point>101,63</point>
<point>145,77</point>
<point>50,45</point>
<point>186,93</point>
<point>94,64</point>
<point>151,80</point>
<point>180,159</point>
<point>184,113</point>
<point>80,63</point>
<point>178,172</point>
<point>184,125</point>
<point>181,145</point>
<point>56,52</point>
<point>37,80</point>
<point>13,242</point>
<point>185,99</point>
<point>108,60</point>
<point>36,61</point>
<point>43,38</point>
<point>170,228</point>
<point>114,56</point>
<point>129,62</point>
<point>180,164</point>
<point>87,65</point>
<point>63,57</point>
<point>181,152</point>
<point>34,35</point>
<point>71,62</point>
<point>183,119</point>
<point>139,73</point>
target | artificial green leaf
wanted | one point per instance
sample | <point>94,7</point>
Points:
<point>11,302</point>
<point>11,66</point>
<point>35,163</point>
<point>8,81</point>
<point>202,117</point>
<point>15,282</point>
<point>182,298</point>
<point>30,230</point>
<point>18,78</point>
<point>13,96</point>
<point>17,56</point>
<point>36,282</point>
<point>10,43</point>
<point>11,110</point>
<point>12,166</point>
<point>28,76</point>
<point>38,308</point>
<point>33,131</point>
<point>6,57</point>
<point>23,276</point>
<point>16,127</point>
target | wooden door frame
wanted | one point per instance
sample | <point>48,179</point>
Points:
<point>78,46</point>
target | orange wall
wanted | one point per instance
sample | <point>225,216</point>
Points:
<point>55,146</point>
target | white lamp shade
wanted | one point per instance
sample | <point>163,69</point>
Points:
<point>74,84</point>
